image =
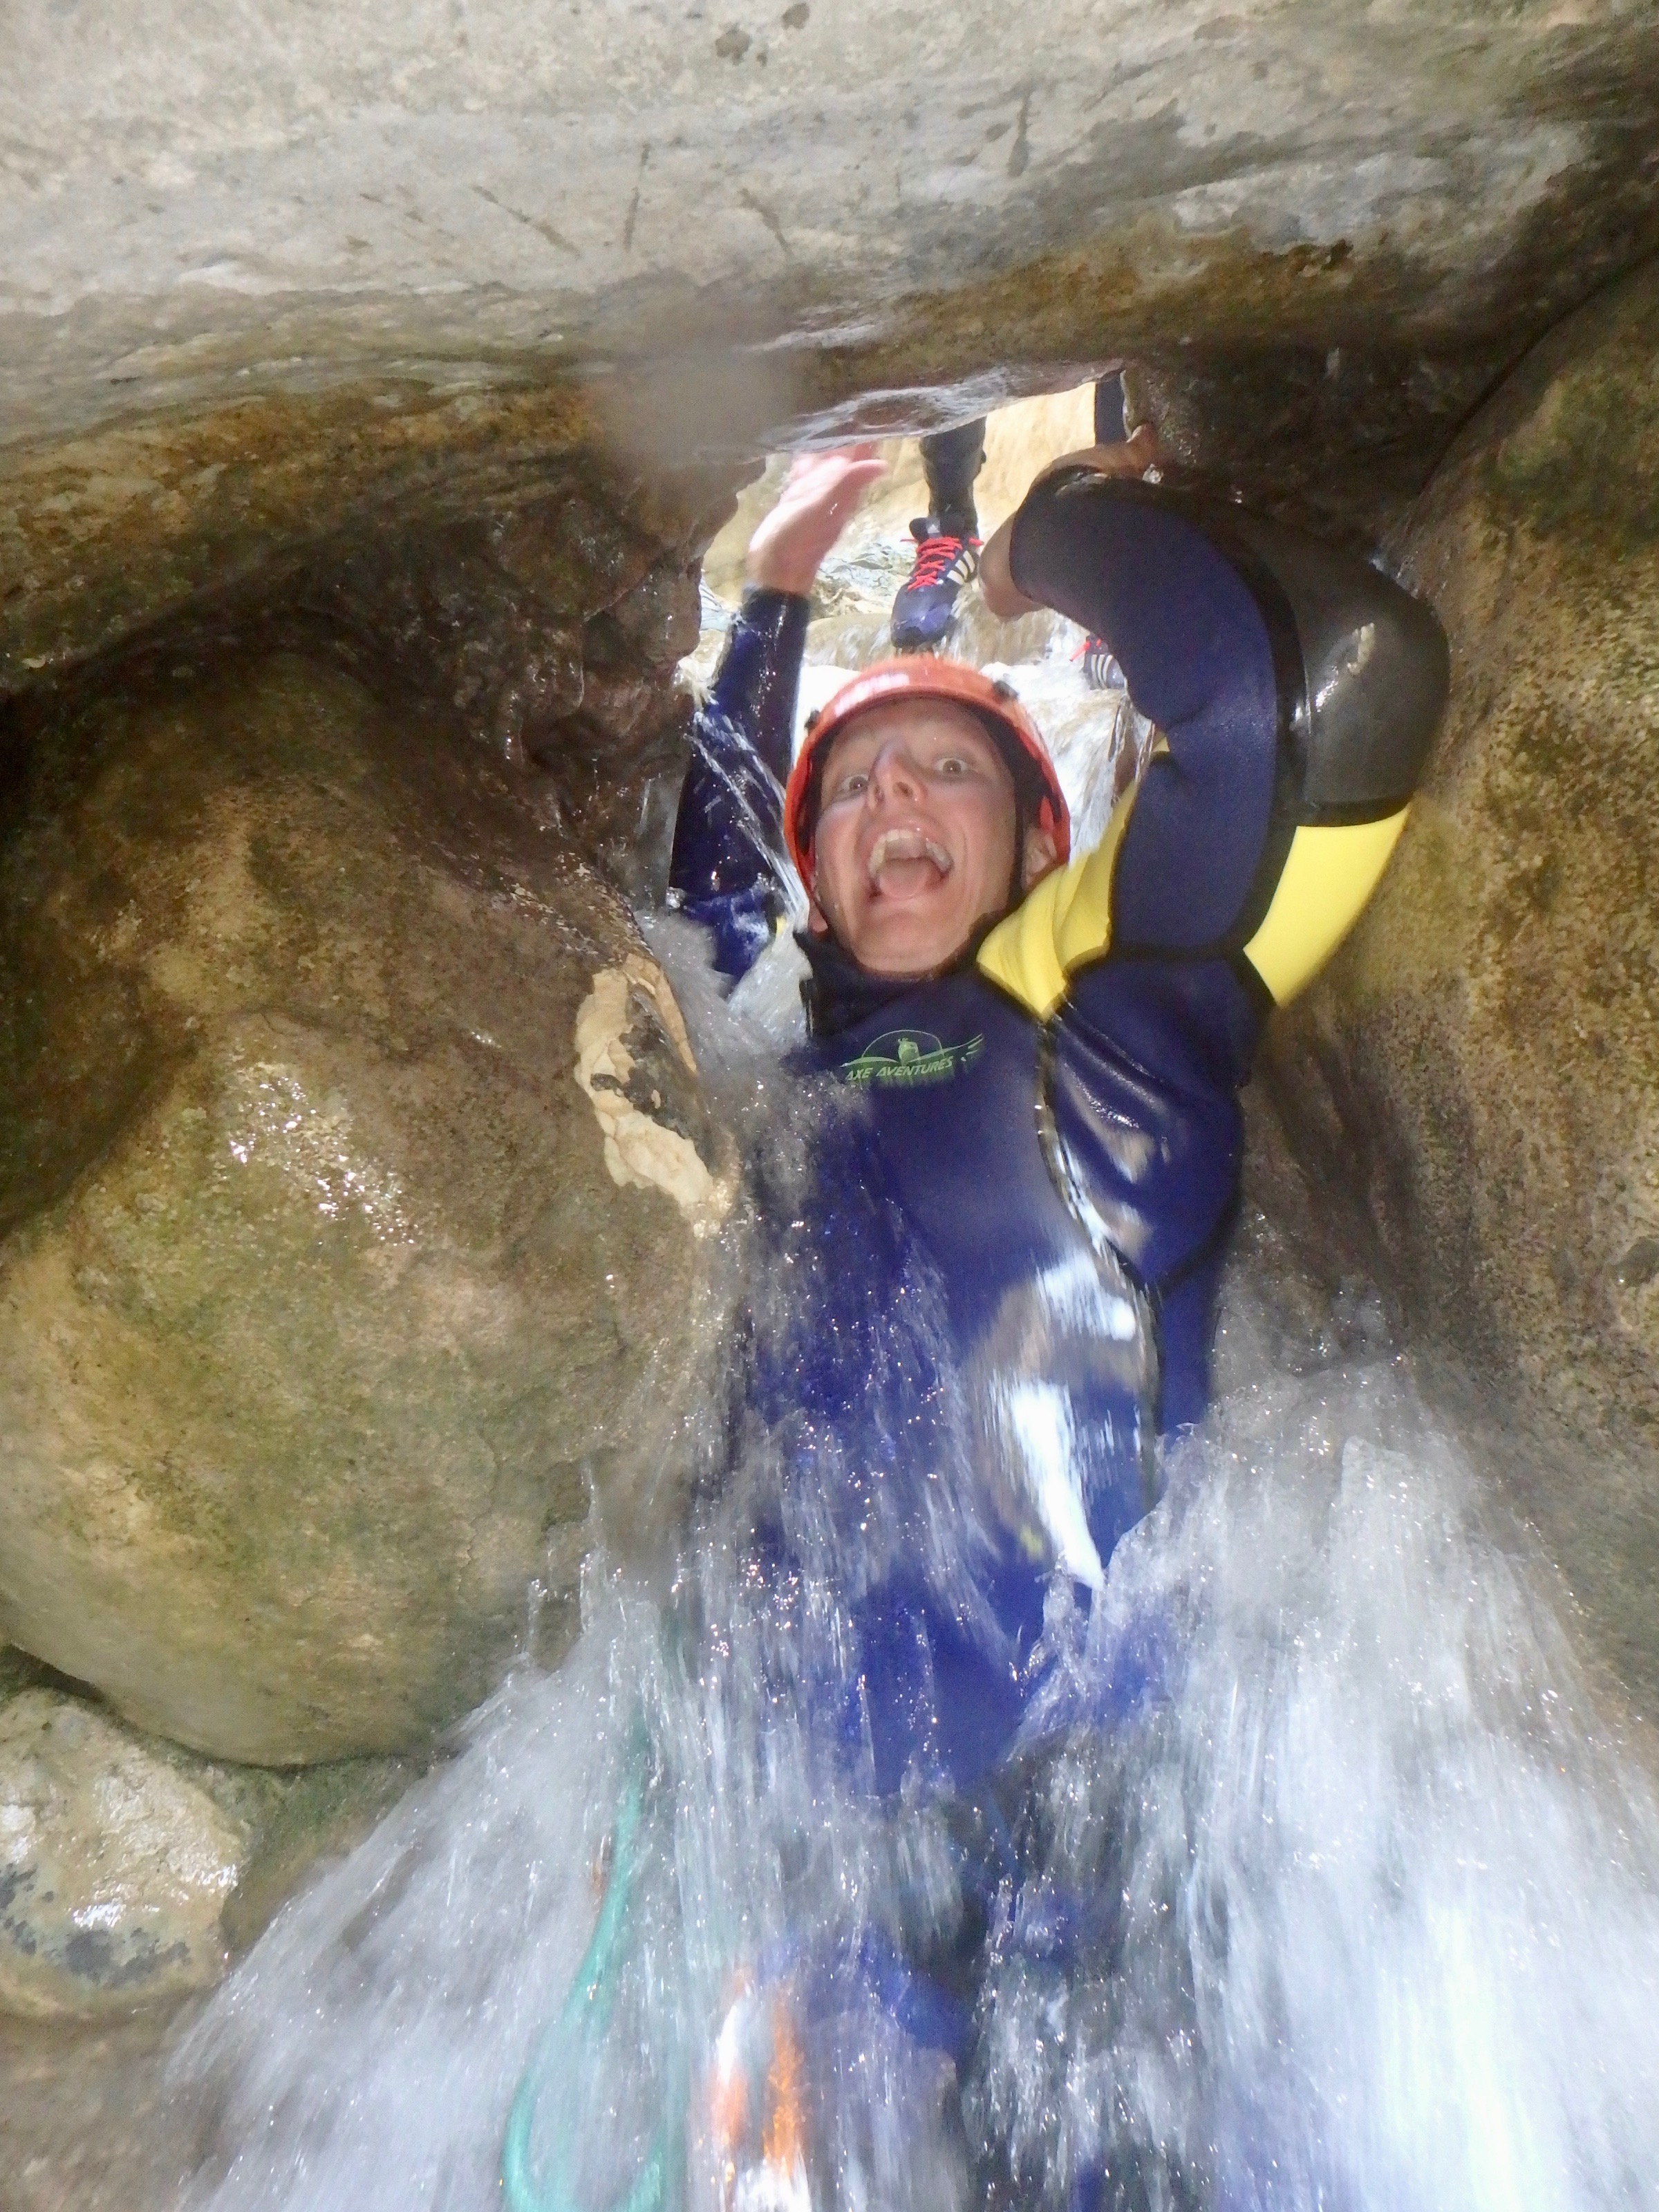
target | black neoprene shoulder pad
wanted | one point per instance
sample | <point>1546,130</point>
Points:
<point>1375,663</point>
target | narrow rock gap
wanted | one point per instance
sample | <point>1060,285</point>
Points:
<point>516,669</point>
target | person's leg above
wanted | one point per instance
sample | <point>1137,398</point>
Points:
<point>1110,428</point>
<point>947,539</point>
<point>1100,672</point>
<point>951,460</point>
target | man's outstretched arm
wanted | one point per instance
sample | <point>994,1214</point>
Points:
<point>728,870</point>
<point>1296,691</point>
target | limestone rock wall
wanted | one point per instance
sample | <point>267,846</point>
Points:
<point>130,1869</point>
<point>549,627</point>
<point>1485,1050</point>
<point>357,1195</point>
<point>270,272</point>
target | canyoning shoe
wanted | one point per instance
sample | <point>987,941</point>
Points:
<point>924,606</point>
<point>1100,671</point>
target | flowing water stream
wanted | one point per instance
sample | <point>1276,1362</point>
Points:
<point>1371,1889</point>
<point>1383,1924</point>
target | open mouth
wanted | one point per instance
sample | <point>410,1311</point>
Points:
<point>903,863</point>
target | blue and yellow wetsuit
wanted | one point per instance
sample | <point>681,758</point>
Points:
<point>1049,1134</point>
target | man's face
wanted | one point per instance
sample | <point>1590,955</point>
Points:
<point>914,840</point>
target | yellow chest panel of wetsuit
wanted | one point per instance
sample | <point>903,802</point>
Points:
<point>1329,874</point>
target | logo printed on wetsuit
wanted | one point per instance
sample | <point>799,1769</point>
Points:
<point>910,1057</point>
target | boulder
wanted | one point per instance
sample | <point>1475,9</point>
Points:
<point>1487,1045</point>
<point>115,1868</point>
<point>326,1287</point>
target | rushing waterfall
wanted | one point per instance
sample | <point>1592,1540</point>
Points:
<point>1380,1902</point>
<point>1370,1894</point>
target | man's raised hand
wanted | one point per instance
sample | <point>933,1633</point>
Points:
<point>1133,458</point>
<point>819,495</point>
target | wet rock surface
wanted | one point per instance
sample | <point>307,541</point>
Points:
<point>114,1869</point>
<point>86,2116</point>
<point>270,277</point>
<point>1485,1053</point>
<point>320,1306</point>
<point>551,628</point>
<point>112,1833</point>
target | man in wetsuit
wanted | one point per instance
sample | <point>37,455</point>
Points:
<point>1009,1260</point>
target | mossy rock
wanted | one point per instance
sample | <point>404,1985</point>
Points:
<point>1487,1045</point>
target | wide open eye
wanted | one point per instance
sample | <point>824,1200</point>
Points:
<point>850,786</point>
<point>952,764</point>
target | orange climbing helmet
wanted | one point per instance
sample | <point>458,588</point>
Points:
<point>922,675</point>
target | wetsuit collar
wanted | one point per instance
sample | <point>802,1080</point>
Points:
<point>839,992</point>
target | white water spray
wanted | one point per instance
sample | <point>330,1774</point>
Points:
<point>1385,1920</point>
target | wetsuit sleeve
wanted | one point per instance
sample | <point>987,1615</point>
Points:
<point>1296,691</point>
<point>728,870</point>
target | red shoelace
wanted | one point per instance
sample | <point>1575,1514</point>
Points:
<point>933,558</point>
